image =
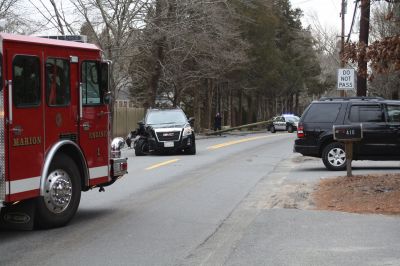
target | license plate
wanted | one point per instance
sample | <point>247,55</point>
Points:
<point>169,144</point>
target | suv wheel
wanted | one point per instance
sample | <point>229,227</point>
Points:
<point>273,130</point>
<point>141,147</point>
<point>290,129</point>
<point>334,156</point>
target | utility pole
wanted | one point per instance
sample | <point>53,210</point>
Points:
<point>342,62</point>
<point>363,40</point>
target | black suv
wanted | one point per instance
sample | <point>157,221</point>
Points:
<point>164,130</point>
<point>380,120</point>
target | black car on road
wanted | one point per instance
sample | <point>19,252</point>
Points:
<point>164,130</point>
<point>380,121</point>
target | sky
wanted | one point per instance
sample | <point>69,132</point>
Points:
<point>326,11</point>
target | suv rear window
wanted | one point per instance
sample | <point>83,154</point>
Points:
<point>322,113</point>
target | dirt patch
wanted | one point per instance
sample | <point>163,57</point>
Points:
<point>290,196</point>
<point>359,194</point>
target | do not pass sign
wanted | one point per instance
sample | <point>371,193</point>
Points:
<point>345,79</point>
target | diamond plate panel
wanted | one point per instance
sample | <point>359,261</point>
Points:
<point>2,155</point>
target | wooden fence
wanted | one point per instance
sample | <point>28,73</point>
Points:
<point>125,118</point>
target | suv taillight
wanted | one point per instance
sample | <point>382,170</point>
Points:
<point>300,132</point>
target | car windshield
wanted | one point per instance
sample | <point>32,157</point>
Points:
<point>292,118</point>
<point>166,117</point>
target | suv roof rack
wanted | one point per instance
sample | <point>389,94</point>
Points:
<point>362,98</point>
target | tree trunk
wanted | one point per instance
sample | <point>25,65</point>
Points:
<point>210,93</point>
<point>297,107</point>
<point>197,110</point>
<point>230,105</point>
<point>364,34</point>
<point>240,116</point>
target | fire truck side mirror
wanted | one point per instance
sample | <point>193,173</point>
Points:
<point>107,97</point>
<point>105,76</point>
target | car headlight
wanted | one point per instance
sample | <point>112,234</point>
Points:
<point>187,131</point>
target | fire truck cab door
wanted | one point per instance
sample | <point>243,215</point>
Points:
<point>94,121</point>
<point>24,120</point>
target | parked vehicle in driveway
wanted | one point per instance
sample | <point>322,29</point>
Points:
<point>164,130</point>
<point>380,121</point>
<point>285,122</point>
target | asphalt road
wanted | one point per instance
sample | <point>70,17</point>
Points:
<point>242,200</point>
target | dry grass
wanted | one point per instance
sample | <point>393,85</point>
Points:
<point>360,194</point>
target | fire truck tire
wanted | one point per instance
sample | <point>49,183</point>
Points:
<point>62,194</point>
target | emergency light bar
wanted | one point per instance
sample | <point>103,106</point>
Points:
<point>73,38</point>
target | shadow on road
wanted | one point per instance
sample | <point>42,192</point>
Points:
<point>354,168</point>
<point>82,218</point>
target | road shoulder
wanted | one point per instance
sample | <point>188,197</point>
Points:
<point>280,213</point>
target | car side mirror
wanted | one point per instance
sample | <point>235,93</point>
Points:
<point>140,124</point>
<point>191,121</point>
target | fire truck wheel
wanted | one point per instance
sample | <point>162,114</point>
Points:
<point>62,194</point>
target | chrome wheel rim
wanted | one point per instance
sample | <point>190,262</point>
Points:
<point>58,191</point>
<point>337,157</point>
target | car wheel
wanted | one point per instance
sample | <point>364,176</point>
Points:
<point>192,149</point>
<point>273,130</point>
<point>334,156</point>
<point>62,194</point>
<point>290,129</point>
<point>141,147</point>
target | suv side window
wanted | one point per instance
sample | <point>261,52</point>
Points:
<point>366,113</point>
<point>322,112</point>
<point>393,113</point>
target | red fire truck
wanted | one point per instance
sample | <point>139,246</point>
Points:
<point>54,129</point>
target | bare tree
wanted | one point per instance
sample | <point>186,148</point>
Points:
<point>15,17</point>
<point>188,50</point>
<point>54,16</point>
<point>382,54</point>
<point>385,24</point>
<point>109,24</point>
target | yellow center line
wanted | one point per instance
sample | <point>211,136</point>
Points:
<point>161,164</point>
<point>214,147</point>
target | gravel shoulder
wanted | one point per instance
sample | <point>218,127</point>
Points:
<point>372,189</point>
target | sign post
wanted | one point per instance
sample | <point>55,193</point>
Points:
<point>345,79</point>
<point>348,134</point>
